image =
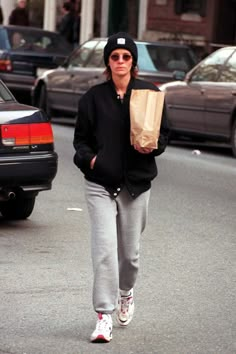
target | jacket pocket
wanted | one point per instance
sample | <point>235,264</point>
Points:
<point>107,166</point>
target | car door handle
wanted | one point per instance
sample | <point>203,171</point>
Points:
<point>233,93</point>
<point>202,91</point>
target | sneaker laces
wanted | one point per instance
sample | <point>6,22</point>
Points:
<point>102,322</point>
<point>125,302</point>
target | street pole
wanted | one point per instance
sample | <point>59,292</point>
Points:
<point>142,20</point>
<point>50,8</point>
<point>87,20</point>
<point>7,7</point>
<point>104,18</point>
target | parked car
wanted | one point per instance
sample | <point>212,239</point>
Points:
<point>58,91</point>
<point>203,106</point>
<point>28,162</point>
<point>24,52</point>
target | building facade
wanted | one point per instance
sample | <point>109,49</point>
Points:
<point>203,24</point>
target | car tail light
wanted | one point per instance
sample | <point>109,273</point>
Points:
<point>158,83</point>
<point>5,65</point>
<point>26,134</point>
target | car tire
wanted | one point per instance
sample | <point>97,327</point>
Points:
<point>233,138</point>
<point>43,100</point>
<point>19,208</point>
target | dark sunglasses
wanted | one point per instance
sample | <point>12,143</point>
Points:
<point>125,57</point>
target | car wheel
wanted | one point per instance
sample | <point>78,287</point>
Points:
<point>43,101</point>
<point>233,138</point>
<point>18,208</point>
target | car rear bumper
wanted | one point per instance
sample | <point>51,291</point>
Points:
<point>18,82</point>
<point>29,173</point>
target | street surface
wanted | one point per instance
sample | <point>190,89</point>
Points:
<point>185,293</point>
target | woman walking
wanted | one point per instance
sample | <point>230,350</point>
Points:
<point>117,183</point>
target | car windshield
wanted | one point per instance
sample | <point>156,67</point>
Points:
<point>5,95</point>
<point>37,41</point>
<point>216,64</point>
<point>164,58</point>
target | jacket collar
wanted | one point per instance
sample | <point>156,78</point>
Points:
<point>129,88</point>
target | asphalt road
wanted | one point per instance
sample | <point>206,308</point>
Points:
<point>185,293</point>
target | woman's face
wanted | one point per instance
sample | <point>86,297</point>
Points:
<point>120,62</point>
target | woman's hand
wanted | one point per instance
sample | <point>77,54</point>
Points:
<point>142,150</point>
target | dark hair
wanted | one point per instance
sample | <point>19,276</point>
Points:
<point>133,72</point>
<point>67,6</point>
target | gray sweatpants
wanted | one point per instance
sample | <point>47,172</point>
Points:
<point>116,227</point>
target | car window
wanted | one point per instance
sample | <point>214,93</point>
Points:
<point>179,59</point>
<point>209,68</point>
<point>219,57</point>
<point>164,58</point>
<point>205,72</point>
<point>80,57</point>
<point>145,61</point>
<point>37,41</point>
<point>5,95</point>
<point>4,40</point>
<point>228,72</point>
<point>96,59</point>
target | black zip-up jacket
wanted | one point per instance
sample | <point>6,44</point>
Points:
<point>19,17</point>
<point>103,129</point>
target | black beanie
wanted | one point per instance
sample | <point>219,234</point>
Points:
<point>120,40</point>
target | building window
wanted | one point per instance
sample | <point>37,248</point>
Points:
<point>190,7</point>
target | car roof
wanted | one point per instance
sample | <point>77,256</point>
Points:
<point>227,47</point>
<point>27,29</point>
<point>159,43</point>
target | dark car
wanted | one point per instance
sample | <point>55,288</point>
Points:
<point>24,52</point>
<point>58,91</point>
<point>203,106</point>
<point>28,162</point>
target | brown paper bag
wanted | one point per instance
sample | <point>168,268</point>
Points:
<point>146,108</point>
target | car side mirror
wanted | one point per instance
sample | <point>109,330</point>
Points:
<point>179,75</point>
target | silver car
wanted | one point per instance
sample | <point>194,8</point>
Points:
<point>203,105</point>
<point>58,91</point>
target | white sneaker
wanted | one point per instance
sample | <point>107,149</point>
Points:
<point>103,330</point>
<point>125,310</point>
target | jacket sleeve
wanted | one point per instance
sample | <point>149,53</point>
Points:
<point>11,20</point>
<point>83,135</point>
<point>164,134</point>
